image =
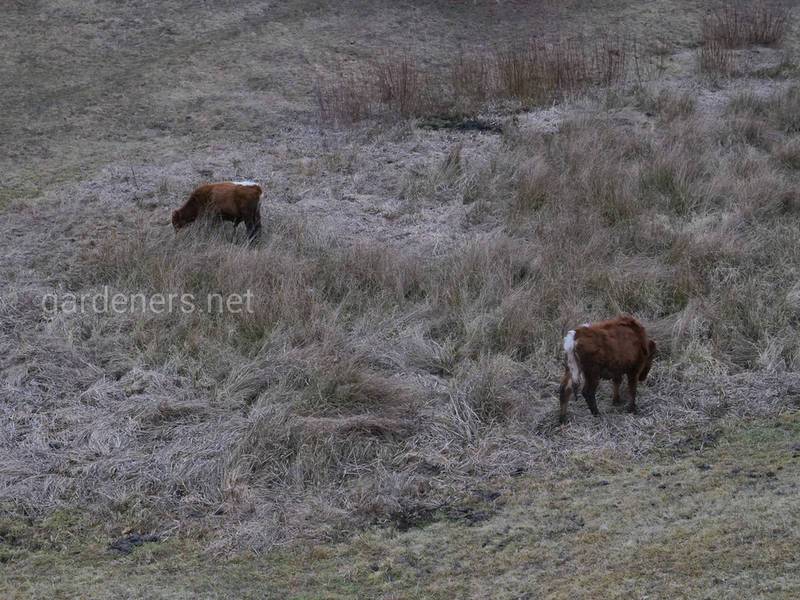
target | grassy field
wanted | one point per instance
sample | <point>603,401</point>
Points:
<point>713,523</point>
<point>448,189</point>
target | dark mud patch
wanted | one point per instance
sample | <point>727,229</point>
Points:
<point>460,124</point>
<point>468,512</point>
<point>126,544</point>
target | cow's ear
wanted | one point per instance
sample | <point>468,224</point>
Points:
<point>651,347</point>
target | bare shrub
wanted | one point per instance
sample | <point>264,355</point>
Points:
<point>610,59</point>
<point>473,77</point>
<point>403,87</point>
<point>345,98</point>
<point>735,25</point>
<point>538,72</point>
<point>534,71</point>
<point>393,84</point>
<point>715,58</point>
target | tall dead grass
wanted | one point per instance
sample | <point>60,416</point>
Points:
<point>737,25</point>
<point>715,58</point>
<point>534,71</point>
<point>392,85</point>
<point>740,24</point>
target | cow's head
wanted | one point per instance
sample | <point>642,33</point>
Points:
<point>177,220</point>
<point>651,352</point>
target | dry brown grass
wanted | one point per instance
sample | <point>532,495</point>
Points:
<point>534,72</point>
<point>473,77</point>
<point>363,368</point>
<point>393,85</point>
<point>735,25</point>
<point>715,58</point>
<point>383,372</point>
<point>344,99</point>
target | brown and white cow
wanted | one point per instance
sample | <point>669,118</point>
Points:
<point>235,201</point>
<point>605,350</point>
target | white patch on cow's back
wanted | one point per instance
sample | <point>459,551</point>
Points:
<point>569,341</point>
<point>247,182</point>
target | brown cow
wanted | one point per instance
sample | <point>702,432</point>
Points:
<point>606,350</point>
<point>235,201</point>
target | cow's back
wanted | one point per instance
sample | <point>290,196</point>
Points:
<point>231,199</point>
<point>620,344</point>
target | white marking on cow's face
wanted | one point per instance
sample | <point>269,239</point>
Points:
<point>246,182</point>
<point>586,324</point>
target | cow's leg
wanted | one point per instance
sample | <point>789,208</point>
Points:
<point>256,228</point>
<point>632,382</point>
<point>615,399</point>
<point>564,393</point>
<point>253,224</point>
<point>589,392</point>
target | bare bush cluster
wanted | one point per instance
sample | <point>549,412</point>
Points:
<point>736,25</point>
<point>540,72</point>
<point>393,84</point>
<point>715,58</point>
<point>532,72</point>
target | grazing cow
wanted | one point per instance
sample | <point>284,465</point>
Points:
<point>606,350</point>
<point>235,201</point>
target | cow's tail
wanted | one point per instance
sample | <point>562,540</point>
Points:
<point>575,372</point>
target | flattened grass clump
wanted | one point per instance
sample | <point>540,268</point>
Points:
<point>671,106</point>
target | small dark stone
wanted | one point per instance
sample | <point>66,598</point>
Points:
<point>704,467</point>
